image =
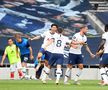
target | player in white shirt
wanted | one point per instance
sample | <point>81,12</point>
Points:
<point>75,55</point>
<point>57,55</point>
<point>48,35</point>
<point>104,58</point>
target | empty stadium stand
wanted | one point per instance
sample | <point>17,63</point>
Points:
<point>99,4</point>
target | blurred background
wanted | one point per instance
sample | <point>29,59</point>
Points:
<point>34,17</point>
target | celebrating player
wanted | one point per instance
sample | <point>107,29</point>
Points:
<point>75,54</point>
<point>104,59</point>
<point>57,56</point>
<point>48,35</point>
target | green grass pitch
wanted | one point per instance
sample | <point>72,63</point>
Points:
<point>37,85</point>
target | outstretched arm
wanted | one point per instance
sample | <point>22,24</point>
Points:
<point>35,38</point>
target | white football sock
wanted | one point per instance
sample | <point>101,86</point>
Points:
<point>106,68</point>
<point>58,73</point>
<point>67,74</point>
<point>103,75</point>
<point>78,75</point>
<point>45,72</point>
<point>24,71</point>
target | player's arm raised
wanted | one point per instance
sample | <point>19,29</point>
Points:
<point>39,36</point>
<point>35,38</point>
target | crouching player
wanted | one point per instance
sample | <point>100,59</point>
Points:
<point>13,53</point>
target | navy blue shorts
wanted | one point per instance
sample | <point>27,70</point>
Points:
<point>104,59</point>
<point>42,50</point>
<point>75,59</point>
<point>25,58</point>
<point>47,55</point>
<point>56,58</point>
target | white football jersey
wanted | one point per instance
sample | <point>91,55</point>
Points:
<point>47,36</point>
<point>105,36</point>
<point>79,38</point>
<point>59,43</point>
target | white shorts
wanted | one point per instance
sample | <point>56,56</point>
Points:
<point>15,66</point>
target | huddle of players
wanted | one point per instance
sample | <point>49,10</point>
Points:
<point>53,50</point>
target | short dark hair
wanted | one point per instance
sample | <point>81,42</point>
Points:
<point>10,39</point>
<point>54,25</point>
<point>106,28</point>
<point>60,30</point>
